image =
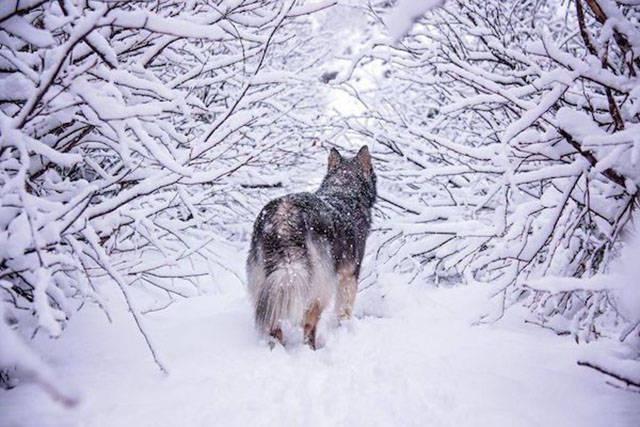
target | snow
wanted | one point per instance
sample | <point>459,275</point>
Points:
<point>403,16</point>
<point>311,8</point>
<point>621,281</point>
<point>599,282</point>
<point>21,28</point>
<point>162,25</point>
<point>410,357</point>
<point>529,117</point>
<point>626,283</point>
<point>140,140</point>
<point>15,352</point>
<point>15,87</point>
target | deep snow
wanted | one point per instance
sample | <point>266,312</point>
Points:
<point>409,358</point>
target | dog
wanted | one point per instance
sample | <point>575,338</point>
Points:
<point>307,249</point>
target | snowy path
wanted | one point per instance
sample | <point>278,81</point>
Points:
<point>419,363</point>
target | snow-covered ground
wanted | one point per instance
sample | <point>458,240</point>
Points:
<point>409,358</point>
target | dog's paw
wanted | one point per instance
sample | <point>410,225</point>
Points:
<point>320,342</point>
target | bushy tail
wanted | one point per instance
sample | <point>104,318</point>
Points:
<point>288,268</point>
<point>281,298</point>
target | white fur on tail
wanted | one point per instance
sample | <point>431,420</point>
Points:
<point>281,298</point>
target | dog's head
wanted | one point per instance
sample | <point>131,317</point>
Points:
<point>353,174</point>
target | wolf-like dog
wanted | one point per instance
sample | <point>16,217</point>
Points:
<point>307,249</point>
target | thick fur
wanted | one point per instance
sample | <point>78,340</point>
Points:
<point>307,249</point>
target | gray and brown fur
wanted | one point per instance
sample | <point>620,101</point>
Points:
<point>307,248</point>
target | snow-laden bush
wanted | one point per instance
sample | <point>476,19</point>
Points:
<point>127,132</point>
<point>512,153</point>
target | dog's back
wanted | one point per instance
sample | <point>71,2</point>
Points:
<point>301,244</point>
<point>290,266</point>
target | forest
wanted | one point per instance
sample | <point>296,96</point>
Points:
<point>140,139</point>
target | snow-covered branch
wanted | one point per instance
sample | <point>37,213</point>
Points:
<point>126,132</point>
<point>511,152</point>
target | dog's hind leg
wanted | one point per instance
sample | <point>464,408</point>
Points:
<point>347,289</point>
<point>276,335</point>
<point>311,317</point>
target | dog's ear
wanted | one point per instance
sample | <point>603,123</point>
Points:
<point>335,159</point>
<point>364,160</point>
